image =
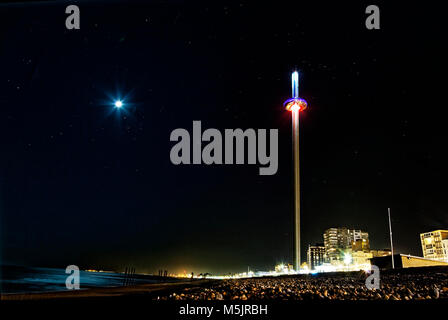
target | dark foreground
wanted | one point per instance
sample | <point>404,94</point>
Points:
<point>406,291</point>
<point>340,287</point>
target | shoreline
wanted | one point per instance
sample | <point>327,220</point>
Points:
<point>149,290</point>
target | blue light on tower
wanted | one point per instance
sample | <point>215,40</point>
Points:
<point>118,104</point>
<point>295,103</point>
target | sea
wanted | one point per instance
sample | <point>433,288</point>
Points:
<point>20,279</point>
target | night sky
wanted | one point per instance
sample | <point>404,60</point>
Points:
<point>86,184</point>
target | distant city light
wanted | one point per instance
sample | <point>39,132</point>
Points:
<point>347,258</point>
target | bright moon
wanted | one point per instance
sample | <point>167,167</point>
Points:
<point>118,104</point>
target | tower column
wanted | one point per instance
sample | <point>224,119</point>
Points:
<point>295,133</point>
<point>295,105</point>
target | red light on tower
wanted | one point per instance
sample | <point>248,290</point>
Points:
<point>296,104</point>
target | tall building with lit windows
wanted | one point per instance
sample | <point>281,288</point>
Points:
<point>336,242</point>
<point>435,245</point>
<point>339,241</point>
<point>360,240</point>
<point>315,255</point>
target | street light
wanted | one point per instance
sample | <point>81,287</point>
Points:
<point>295,105</point>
